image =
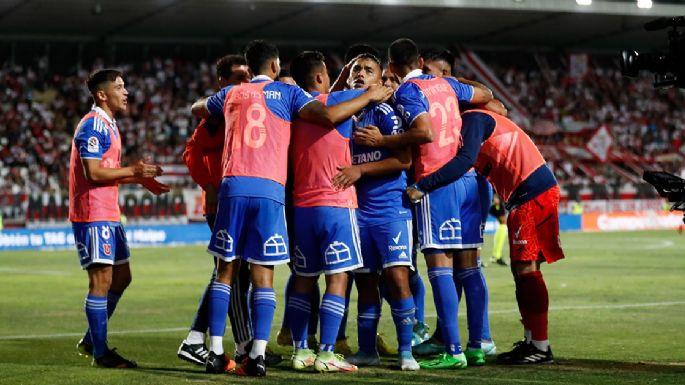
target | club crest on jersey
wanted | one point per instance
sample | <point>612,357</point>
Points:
<point>337,252</point>
<point>275,246</point>
<point>450,229</point>
<point>107,249</point>
<point>93,144</point>
<point>224,241</point>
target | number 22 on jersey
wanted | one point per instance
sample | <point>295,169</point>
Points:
<point>449,116</point>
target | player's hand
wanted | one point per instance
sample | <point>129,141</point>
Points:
<point>378,93</point>
<point>145,170</point>
<point>156,187</point>
<point>346,177</point>
<point>368,136</point>
<point>415,195</point>
<point>211,198</point>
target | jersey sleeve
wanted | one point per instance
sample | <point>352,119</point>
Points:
<point>215,103</point>
<point>194,153</point>
<point>346,127</point>
<point>476,128</point>
<point>464,91</point>
<point>297,98</point>
<point>92,139</point>
<point>387,120</point>
<point>410,103</point>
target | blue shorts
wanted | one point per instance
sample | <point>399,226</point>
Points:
<point>252,229</point>
<point>485,191</point>
<point>386,245</point>
<point>326,241</point>
<point>100,242</point>
<point>451,217</point>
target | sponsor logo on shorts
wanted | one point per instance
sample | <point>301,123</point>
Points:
<point>275,246</point>
<point>450,229</point>
<point>82,250</point>
<point>520,242</point>
<point>397,238</point>
<point>399,247</point>
<point>518,231</point>
<point>224,241</point>
<point>337,252</point>
<point>300,259</point>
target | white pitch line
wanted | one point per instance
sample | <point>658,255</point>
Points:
<point>178,329</point>
<point>80,334</point>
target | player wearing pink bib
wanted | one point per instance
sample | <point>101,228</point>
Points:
<point>95,173</point>
<point>326,232</point>
<point>250,222</point>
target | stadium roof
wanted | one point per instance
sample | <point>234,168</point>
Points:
<point>606,24</point>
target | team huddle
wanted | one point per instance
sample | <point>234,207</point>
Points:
<point>347,180</point>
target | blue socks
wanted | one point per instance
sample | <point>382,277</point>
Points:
<point>96,313</point>
<point>403,315</point>
<point>331,313</point>
<point>447,305</point>
<point>263,308</point>
<point>367,321</point>
<point>418,291</point>
<point>487,336</point>
<point>112,301</point>
<point>343,323</point>
<point>474,291</point>
<point>299,308</point>
<point>219,296</point>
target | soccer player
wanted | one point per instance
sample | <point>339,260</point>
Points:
<point>250,222</point>
<point>202,155</point>
<point>438,62</point>
<point>95,174</point>
<point>508,158</point>
<point>326,233</point>
<point>498,211</point>
<point>449,221</point>
<point>385,225</point>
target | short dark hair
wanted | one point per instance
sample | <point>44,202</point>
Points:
<point>403,52</point>
<point>224,66</point>
<point>371,57</point>
<point>357,49</point>
<point>99,77</point>
<point>435,54</point>
<point>303,66</point>
<point>258,54</point>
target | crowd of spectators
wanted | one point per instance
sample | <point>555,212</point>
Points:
<point>39,110</point>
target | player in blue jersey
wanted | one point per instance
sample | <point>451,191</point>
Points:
<point>438,62</point>
<point>326,233</point>
<point>384,218</point>
<point>250,222</point>
<point>449,222</point>
<point>95,173</point>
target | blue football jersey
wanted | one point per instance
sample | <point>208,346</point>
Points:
<point>381,199</point>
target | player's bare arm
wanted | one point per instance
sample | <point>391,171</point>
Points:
<point>418,133</point>
<point>481,93</point>
<point>95,173</point>
<point>316,113</point>
<point>200,109</point>
<point>374,94</point>
<point>349,175</point>
<point>341,82</point>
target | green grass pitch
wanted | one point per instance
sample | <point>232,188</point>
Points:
<point>617,317</point>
